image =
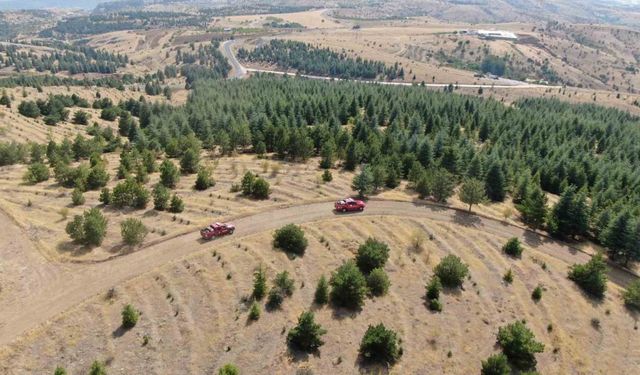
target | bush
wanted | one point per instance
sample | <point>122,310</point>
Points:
<point>508,276</point>
<point>97,368</point>
<point>133,231</point>
<point>290,239</point>
<point>177,205</point>
<point>81,118</point>
<point>261,189</point>
<point>327,176</point>
<point>88,229</point>
<point>229,369</point>
<point>275,298</point>
<point>497,364</point>
<point>435,305</point>
<point>169,175</point>
<point>519,345</point>
<point>259,284</point>
<point>60,371</point>
<point>247,183</point>
<point>254,311</point>
<point>380,345</point>
<point>130,193</point>
<point>591,276</point>
<point>98,176</point>
<point>434,287</point>
<point>37,172</point>
<point>130,316</point>
<point>513,248</point>
<point>204,179</point>
<point>321,295</point>
<point>29,109</point>
<point>77,198</point>
<point>189,162</point>
<point>536,295</point>
<point>631,296</point>
<point>372,254</point>
<point>378,282</point>
<point>348,286</point>
<point>105,196</point>
<point>306,336</point>
<point>161,196</point>
<point>451,271</point>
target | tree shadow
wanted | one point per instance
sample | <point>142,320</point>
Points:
<point>73,248</point>
<point>466,219</point>
<point>533,239</point>
<point>119,332</point>
<point>341,313</point>
<point>452,291</point>
<point>298,355</point>
<point>370,367</point>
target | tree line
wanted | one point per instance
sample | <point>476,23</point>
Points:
<point>307,59</point>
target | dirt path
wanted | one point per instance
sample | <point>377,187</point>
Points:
<point>69,285</point>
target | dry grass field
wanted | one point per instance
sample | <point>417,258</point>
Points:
<point>51,208</point>
<point>195,319</point>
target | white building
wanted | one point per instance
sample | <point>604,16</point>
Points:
<point>496,34</point>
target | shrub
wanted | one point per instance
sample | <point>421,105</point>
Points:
<point>591,276</point>
<point>247,183</point>
<point>519,345</point>
<point>631,296</point>
<point>536,295</point>
<point>260,189</point>
<point>321,295</point>
<point>133,231</point>
<point>88,229</point>
<point>98,176</point>
<point>190,161</point>
<point>380,345</point>
<point>451,271</point>
<point>37,172</point>
<point>306,336</point>
<point>130,193</point>
<point>327,176</point>
<point>434,287</point>
<point>290,239</point>
<point>229,369</point>
<point>508,276</point>
<point>169,175</point>
<point>378,282</point>
<point>284,283</point>
<point>177,205</point>
<point>497,364</point>
<point>161,196</point>
<point>97,368</point>
<point>29,109</point>
<point>513,248</point>
<point>259,284</point>
<point>81,117</point>
<point>105,196</point>
<point>372,254</point>
<point>130,316</point>
<point>60,371</point>
<point>435,305</point>
<point>77,198</point>
<point>348,286</point>
<point>254,311</point>
<point>204,179</point>
<point>275,298</point>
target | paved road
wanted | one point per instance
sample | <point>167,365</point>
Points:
<point>240,71</point>
<point>80,282</point>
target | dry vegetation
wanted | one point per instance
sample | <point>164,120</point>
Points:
<point>188,327</point>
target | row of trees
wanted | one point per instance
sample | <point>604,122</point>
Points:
<point>307,59</point>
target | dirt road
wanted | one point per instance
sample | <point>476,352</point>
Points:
<point>70,284</point>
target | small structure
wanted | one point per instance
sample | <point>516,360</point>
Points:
<point>496,34</point>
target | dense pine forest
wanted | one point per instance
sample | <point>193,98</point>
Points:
<point>589,155</point>
<point>307,59</point>
<point>66,57</point>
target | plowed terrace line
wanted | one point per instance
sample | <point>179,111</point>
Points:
<point>78,282</point>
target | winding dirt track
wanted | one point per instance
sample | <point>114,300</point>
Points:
<point>67,285</point>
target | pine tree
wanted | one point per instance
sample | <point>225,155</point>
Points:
<point>534,207</point>
<point>306,336</point>
<point>363,182</point>
<point>495,184</point>
<point>619,238</point>
<point>472,192</point>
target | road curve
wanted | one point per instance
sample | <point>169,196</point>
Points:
<point>86,281</point>
<point>240,72</point>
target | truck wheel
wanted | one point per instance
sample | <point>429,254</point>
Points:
<point>361,208</point>
<point>231,231</point>
<point>344,210</point>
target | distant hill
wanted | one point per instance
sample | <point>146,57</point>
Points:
<point>47,4</point>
